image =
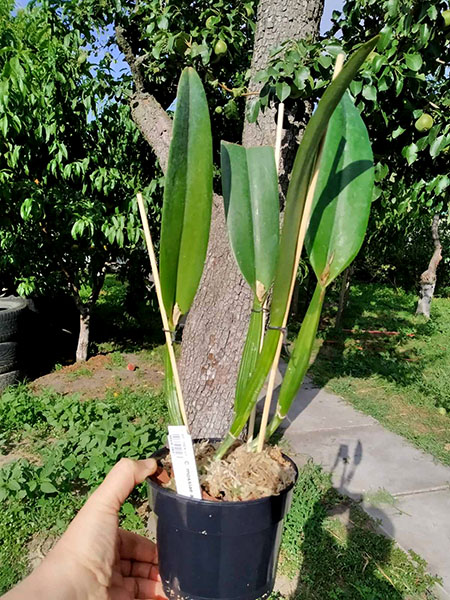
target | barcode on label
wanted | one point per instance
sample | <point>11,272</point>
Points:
<point>183,462</point>
<point>176,446</point>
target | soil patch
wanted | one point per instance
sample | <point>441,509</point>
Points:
<point>100,374</point>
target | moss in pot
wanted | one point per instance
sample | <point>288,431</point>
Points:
<point>226,544</point>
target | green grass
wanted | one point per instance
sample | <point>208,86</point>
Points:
<point>331,546</point>
<point>59,449</point>
<point>402,380</point>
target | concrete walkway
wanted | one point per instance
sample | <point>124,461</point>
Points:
<point>365,458</point>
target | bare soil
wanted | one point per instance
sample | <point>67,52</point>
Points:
<point>95,377</point>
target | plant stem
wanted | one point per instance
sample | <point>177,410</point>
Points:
<point>250,352</point>
<point>251,423</point>
<point>299,361</point>
<point>162,310</point>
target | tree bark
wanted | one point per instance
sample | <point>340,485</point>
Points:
<point>428,277</point>
<point>214,336</point>
<point>344,293</point>
<point>217,324</point>
<point>83,337</point>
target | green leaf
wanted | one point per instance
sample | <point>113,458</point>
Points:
<point>250,352</point>
<point>385,38</point>
<point>413,61</point>
<point>170,393</point>
<point>398,131</point>
<point>369,92</point>
<point>186,213</point>
<point>299,360</point>
<point>250,192</point>
<point>283,90</point>
<point>163,22</point>
<point>341,206</point>
<point>300,77</point>
<point>439,143</point>
<point>25,208</point>
<point>253,110</point>
<point>48,488</point>
<point>356,87</point>
<point>410,153</point>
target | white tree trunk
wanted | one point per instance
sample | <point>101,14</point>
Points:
<point>428,277</point>
<point>83,338</point>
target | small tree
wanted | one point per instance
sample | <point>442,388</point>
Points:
<point>71,161</point>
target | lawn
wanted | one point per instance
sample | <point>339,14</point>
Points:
<point>401,378</point>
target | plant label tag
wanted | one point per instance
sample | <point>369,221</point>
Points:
<point>183,462</point>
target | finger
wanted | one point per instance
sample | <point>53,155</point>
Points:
<point>144,588</point>
<point>120,481</point>
<point>135,547</point>
<point>120,593</point>
<point>129,568</point>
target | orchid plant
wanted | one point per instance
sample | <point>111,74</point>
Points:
<point>327,210</point>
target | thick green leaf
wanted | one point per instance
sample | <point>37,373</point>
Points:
<point>343,196</point>
<point>295,202</point>
<point>187,203</point>
<point>250,192</point>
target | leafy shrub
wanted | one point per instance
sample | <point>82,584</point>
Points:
<point>70,446</point>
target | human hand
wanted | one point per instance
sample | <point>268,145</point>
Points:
<point>94,559</point>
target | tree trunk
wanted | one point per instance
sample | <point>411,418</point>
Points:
<point>83,337</point>
<point>214,336</point>
<point>343,295</point>
<point>428,277</point>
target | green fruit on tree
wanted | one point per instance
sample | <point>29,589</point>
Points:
<point>210,22</point>
<point>442,411</point>
<point>220,47</point>
<point>424,122</point>
<point>218,110</point>
<point>446,16</point>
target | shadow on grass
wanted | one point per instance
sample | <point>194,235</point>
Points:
<point>335,553</point>
<point>362,348</point>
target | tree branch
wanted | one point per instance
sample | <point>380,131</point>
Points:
<point>152,120</point>
<point>133,63</point>
<point>154,124</point>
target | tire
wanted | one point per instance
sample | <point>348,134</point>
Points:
<point>7,379</point>
<point>10,312</point>
<point>8,356</point>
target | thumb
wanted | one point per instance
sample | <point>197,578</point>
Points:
<point>120,482</point>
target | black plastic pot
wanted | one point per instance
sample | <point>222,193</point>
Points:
<point>217,550</point>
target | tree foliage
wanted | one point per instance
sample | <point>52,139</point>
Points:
<point>71,159</point>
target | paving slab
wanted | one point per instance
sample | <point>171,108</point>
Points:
<point>365,458</point>
<point>415,521</point>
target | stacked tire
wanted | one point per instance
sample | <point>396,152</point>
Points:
<point>11,312</point>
